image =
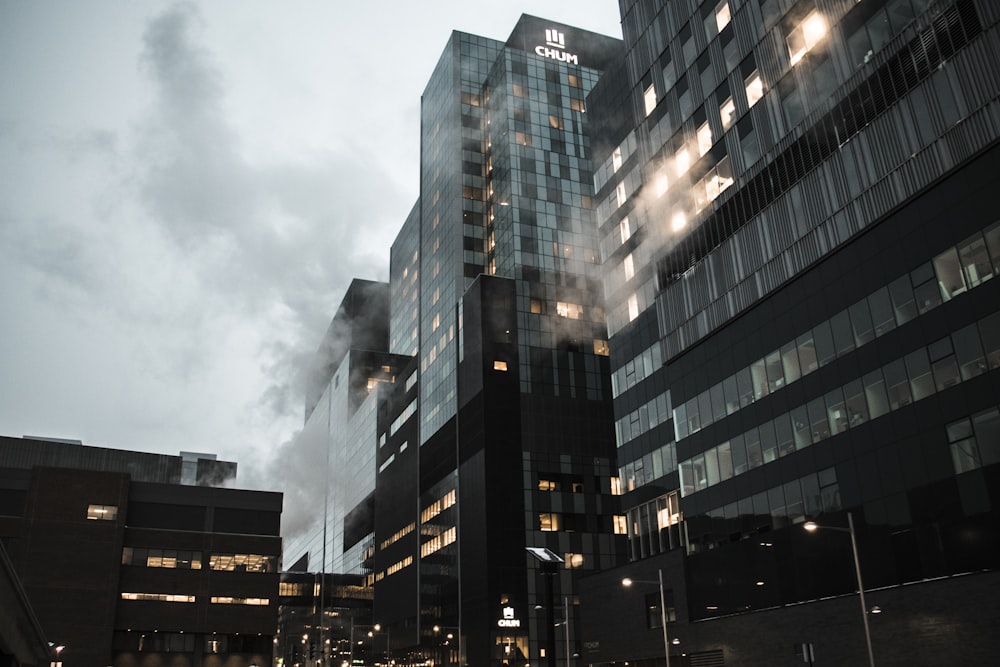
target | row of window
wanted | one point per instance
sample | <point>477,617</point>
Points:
<point>954,271</point>
<point>175,597</point>
<point>652,466</point>
<point>647,526</point>
<point>642,419</point>
<point>776,507</point>
<point>438,506</point>
<point>637,369</point>
<point>920,374</point>
<point>175,559</point>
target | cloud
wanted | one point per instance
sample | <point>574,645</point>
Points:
<point>273,243</point>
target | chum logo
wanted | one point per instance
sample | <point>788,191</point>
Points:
<point>555,39</point>
<point>555,45</point>
<point>508,620</point>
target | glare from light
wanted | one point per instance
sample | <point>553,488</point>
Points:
<point>678,222</point>
<point>811,526</point>
<point>814,28</point>
<point>626,582</point>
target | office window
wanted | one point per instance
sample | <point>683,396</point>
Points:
<point>633,307</point>
<point>628,265</point>
<point>969,352</point>
<point>992,236</point>
<point>254,602</point>
<point>962,443</point>
<point>102,512</point>
<point>704,136</point>
<point>727,112</point>
<point>875,394</point>
<point>573,561</point>
<point>242,562</point>
<point>572,311</point>
<point>722,15</point>
<point>620,524</point>
<point>649,98</point>
<point>624,229</point>
<point>548,521</point>
<point>986,425</point>
<point>949,274</point>
<point>975,260</point>
<point>547,485</point>
<point>805,35</point>
<point>157,597</point>
<point>500,365</point>
<point>754,87</point>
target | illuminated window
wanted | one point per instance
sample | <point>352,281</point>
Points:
<point>754,87</point>
<point>547,485</point>
<point>601,347</point>
<point>722,15</point>
<point>661,183</point>
<point>717,179</point>
<point>649,98</point>
<point>500,365</point>
<point>438,506</point>
<point>616,159</point>
<point>522,138</point>
<point>555,122</point>
<point>102,512</point>
<point>620,196</point>
<point>571,310</point>
<point>727,111</point>
<point>518,90</point>
<point>242,562</point>
<point>620,524</point>
<point>396,567</point>
<point>253,602</point>
<point>805,36</point>
<point>166,558</point>
<point>678,222</point>
<point>616,486</point>
<point>682,161</point>
<point>633,307</point>
<point>577,105</point>
<point>573,561</point>
<point>548,521</point>
<point>436,322</point>
<point>624,229</point>
<point>629,267</point>
<point>704,138</point>
<point>574,81</point>
<point>157,597</point>
<point>434,544</point>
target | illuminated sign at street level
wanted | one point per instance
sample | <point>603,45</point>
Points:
<point>508,620</point>
<point>555,42</point>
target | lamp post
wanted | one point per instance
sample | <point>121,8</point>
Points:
<point>663,610</point>
<point>812,526</point>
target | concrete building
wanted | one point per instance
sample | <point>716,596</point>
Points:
<point>123,565</point>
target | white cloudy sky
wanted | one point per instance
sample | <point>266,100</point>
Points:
<point>186,190</point>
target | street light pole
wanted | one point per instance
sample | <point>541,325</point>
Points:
<point>663,617</point>
<point>663,609</point>
<point>812,526</point>
<point>569,656</point>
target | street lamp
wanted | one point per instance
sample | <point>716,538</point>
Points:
<point>812,526</point>
<point>663,610</point>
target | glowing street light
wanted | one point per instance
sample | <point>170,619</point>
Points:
<point>812,527</point>
<point>663,610</point>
